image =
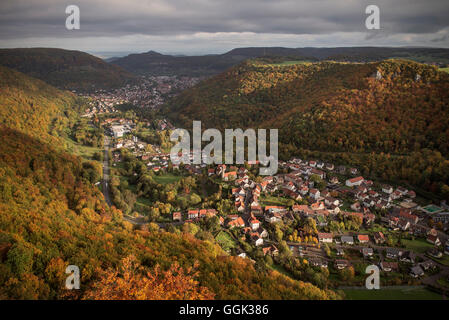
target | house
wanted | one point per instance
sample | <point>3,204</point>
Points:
<point>433,239</point>
<point>315,194</point>
<point>271,250</point>
<point>273,217</point>
<point>341,169</point>
<point>325,237</point>
<point>341,264</point>
<point>354,181</point>
<point>392,253</point>
<point>369,218</point>
<point>387,189</point>
<point>442,217</point>
<point>416,272</point>
<point>228,176</point>
<point>428,264</point>
<point>177,216</point>
<point>404,214</point>
<point>317,262</point>
<point>379,237</point>
<point>363,238</point>
<point>403,224</point>
<point>192,214</point>
<point>411,194</point>
<point>433,252</point>
<point>256,210</point>
<point>340,251</point>
<point>367,252</point>
<point>389,266</point>
<point>317,206</point>
<point>347,240</point>
<point>334,180</point>
<point>356,206</point>
<point>408,257</point>
<point>331,201</point>
<point>403,191</point>
<point>236,223</point>
<point>256,239</point>
<point>319,173</point>
<point>254,224</point>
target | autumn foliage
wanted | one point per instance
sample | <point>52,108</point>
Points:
<point>134,282</point>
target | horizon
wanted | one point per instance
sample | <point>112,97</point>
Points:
<point>119,54</point>
<point>199,28</point>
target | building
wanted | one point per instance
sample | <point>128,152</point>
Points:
<point>177,216</point>
<point>325,237</point>
<point>363,238</point>
<point>357,181</point>
<point>347,240</point>
<point>118,131</point>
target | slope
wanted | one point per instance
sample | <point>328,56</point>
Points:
<point>73,70</point>
<point>395,107</point>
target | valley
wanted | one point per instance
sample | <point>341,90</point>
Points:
<point>362,180</point>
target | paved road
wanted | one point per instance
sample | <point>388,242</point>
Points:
<point>106,170</point>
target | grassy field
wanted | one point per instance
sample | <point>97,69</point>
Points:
<point>225,240</point>
<point>80,150</point>
<point>402,293</point>
<point>273,201</point>
<point>445,69</point>
<point>418,245</point>
<point>166,178</point>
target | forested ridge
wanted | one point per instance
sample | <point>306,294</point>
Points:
<point>52,215</point>
<point>66,69</point>
<point>380,116</point>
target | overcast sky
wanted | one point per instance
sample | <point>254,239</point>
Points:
<point>215,26</point>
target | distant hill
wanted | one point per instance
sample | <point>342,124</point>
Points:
<point>338,111</point>
<point>65,69</point>
<point>158,64</point>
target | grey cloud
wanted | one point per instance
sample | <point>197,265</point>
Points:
<point>21,19</point>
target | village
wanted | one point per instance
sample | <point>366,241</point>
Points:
<point>148,92</point>
<point>324,215</point>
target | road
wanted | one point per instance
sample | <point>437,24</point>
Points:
<point>106,170</point>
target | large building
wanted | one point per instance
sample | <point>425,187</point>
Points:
<point>118,131</point>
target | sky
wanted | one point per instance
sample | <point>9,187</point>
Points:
<point>111,27</point>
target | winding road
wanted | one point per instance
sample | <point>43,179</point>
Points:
<point>106,170</point>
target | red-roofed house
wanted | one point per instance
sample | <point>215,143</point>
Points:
<point>363,238</point>
<point>354,181</point>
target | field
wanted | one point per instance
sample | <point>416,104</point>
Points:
<point>419,245</point>
<point>401,293</point>
<point>445,69</point>
<point>273,201</point>
<point>80,150</point>
<point>225,240</point>
<point>167,178</point>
